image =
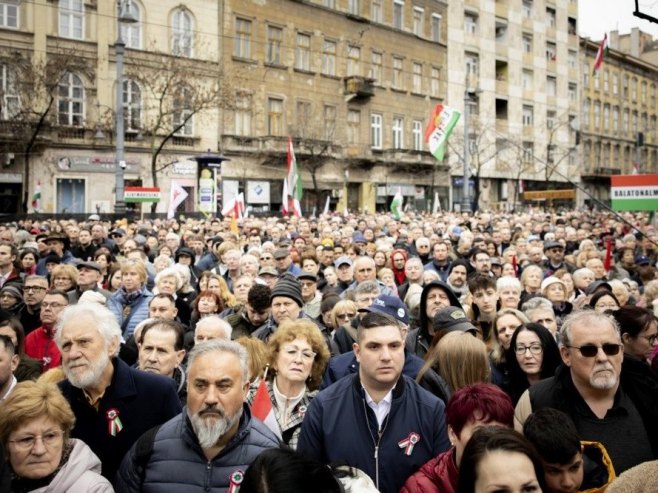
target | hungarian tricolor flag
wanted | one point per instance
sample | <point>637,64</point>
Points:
<point>603,50</point>
<point>261,408</point>
<point>292,185</point>
<point>441,123</point>
<point>396,205</point>
<point>36,197</point>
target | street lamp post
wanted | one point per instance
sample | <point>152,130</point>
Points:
<point>125,17</point>
<point>466,202</point>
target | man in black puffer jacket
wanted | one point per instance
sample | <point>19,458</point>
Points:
<point>211,443</point>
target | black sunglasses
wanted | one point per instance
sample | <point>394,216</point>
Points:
<point>590,350</point>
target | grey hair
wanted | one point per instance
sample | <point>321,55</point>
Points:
<point>414,260</point>
<point>221,346</point>
<point>579,273</point>
<point>536,303</point>
<point>216,320</point>
<point>169,272</point>
<point>508,282</point>
<point>585,317</point>
<point>104,322</point>
<point>367,287</point>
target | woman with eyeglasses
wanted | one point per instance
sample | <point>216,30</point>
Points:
<point>35,423</point>
<point>639,332</point>
<point>298,355</point>
<point>343,313</point>
<point>603,301</point>
<point>506,322</point>
<point>532,356</point>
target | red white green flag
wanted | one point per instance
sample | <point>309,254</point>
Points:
<point>36,197</point>
<point>603,50</point>
<point>292,187</point>
<point>439,128</point>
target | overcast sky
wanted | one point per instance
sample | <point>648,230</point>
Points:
<point>597,17</point>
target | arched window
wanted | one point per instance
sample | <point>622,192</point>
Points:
<point>182,26</point>
<point>131,34</point>
<point>132,105</point>
<point>182,106</point>
<point>70,101</point>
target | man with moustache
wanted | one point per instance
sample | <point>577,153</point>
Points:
<point>609,403</point>
<point>113,403</point>
<point>212,442</point>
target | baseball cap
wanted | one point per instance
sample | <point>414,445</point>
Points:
<point>94,217</point>
<point>451,319</point>
<point>533,238</point>
<point>343,260</point>
<point>390,305</point>
<point>642,260</point>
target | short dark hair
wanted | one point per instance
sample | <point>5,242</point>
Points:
<point>9,346</point>
<point>553,434</point>
<point>259,296</point>
<point>287,471</point>
<point>481,281</point>
<point>167,325</point>
<point>15,324</point>
<point>161,296</point>
<point>373,320</point>
<point>490,439</point>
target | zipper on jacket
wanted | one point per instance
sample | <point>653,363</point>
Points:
<point>376,443</point>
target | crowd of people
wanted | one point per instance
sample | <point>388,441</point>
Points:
<point>431,353</point>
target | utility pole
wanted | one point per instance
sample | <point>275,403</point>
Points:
<point>466,201</point>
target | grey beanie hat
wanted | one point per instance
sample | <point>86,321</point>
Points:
<point>290,288</point>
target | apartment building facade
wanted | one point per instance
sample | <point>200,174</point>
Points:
<point>515,64</point>
<point>619,111</point>
<point>351,82</point>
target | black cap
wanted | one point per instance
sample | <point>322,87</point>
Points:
<point>308,276</point>
<point>452,319</point>
<point>593,287</point>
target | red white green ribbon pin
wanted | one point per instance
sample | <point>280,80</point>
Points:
<point>114,424</point>
<point>235,481</point>
<point>408,443</point>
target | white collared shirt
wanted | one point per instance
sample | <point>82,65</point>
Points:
<point>381,408</point>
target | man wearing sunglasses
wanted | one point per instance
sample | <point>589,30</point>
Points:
<point>609,403</point>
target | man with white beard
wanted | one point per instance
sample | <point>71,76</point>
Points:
<point>212,442</point>
<point>609,403</point>
<point>113,403</point>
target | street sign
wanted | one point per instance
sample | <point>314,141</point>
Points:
<point>142,194</point>
<point>634,192</point>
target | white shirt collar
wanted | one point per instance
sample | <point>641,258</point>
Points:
<point>382,408</point>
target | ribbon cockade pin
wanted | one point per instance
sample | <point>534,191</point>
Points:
<point>408,443</point>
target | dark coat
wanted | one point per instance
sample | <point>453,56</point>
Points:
<point>177,463</point>
<point>142,400</point>
<point>340,426</point>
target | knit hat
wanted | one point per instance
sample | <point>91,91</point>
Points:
<point>12,290</point>
<point>290,288</point>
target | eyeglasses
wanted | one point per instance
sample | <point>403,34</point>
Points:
<point>346,316</point>
<point>27,289</point>
<point>294,352</point>
<point>49,439</point>
<point>266,258</point>
<point>651,339</point>
<point>590,350</point>
<point>534,349</point>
